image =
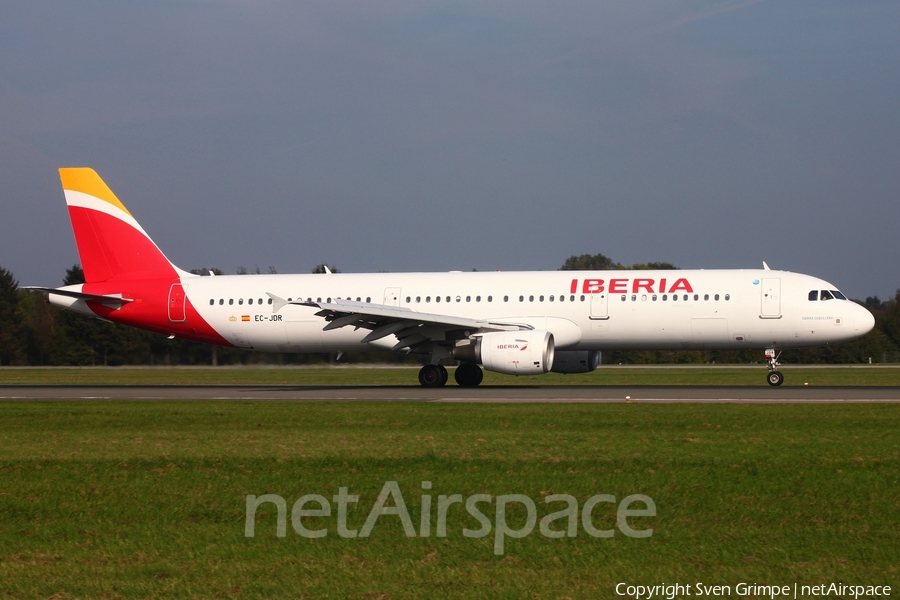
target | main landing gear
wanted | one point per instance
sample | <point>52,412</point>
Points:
<point>434,376</point>
<point>774,377</point>
<point>468,375</point>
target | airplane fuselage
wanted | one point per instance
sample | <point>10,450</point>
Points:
<point>585,310</point>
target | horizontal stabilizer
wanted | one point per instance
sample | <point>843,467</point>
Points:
<point>108,299</point>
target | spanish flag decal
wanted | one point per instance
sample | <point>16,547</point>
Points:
<point>245,318</point>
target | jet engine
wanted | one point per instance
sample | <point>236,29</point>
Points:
<point>510,352</point>
<point>575,361</point>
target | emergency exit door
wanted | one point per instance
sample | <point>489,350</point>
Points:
<point>176,304</point>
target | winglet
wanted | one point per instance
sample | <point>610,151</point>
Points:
<point>766,267</point>
<point>277,302</point>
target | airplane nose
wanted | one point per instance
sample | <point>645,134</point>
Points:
<point>865,321</point>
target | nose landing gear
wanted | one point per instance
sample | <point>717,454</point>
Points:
<point>774,376</point>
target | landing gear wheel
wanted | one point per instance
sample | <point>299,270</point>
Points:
<point>775,378</point>
<point>468,375</point>
<point>433,376</point>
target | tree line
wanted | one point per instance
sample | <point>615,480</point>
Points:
<point>34,332</point>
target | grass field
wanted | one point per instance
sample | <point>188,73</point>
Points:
<point>834,375</point>
<point>140,500</point>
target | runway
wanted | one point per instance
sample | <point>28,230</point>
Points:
<point>486,394</point>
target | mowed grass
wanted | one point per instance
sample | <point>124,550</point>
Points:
<point>138,499</point>
<point>836,375</point>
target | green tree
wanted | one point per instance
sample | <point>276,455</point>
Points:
<point>654,266</point>
<point>589,262</point>
<point>600,262</point>
<point>11,339</point>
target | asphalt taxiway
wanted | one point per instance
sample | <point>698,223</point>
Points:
<point>485,394</point>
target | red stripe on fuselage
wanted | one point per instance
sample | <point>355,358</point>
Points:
<point>149,309</point>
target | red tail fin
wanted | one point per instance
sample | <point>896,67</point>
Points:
<point>111,243</point>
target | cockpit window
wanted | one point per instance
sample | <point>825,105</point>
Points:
<point>838,295</point>
<point>826,295</point>
<point>814,295</point>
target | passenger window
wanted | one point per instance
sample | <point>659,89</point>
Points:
<point>211,301</point>
<point>270,301</point>
<point>368,298</point>
<point>623,297</point>
<point>468,298</point>
<point>448,298</point>
<point>221,301</point>
<point>408,299</point>
<point>541,298</point>
<point>328,300</point>
<point>633,298</point>
<point>418,299</point>
<point>240,301</point>
<point>727,297</point>
<point>561,298</point>
<point>437,298</point>
<point>531,298</point>
<point>717,297</point>
<point>582,297</point>
<point>230,301</point>
<point>490,298</point>
<point>826,295</point>
<point>696,297</point>
<point>506,298</point>
<point>674,297</point>
<point>685,298</point>
<point>706,296</point>
<point>477,298</point>
<point>654,297</point>
<point>665,297</point>
<point>521,298</point>
<point>259,301</point>
<point>551,298</point>
<point>250,301</point>
<point>458,299</point>
<point>427,298</point>
<point>643,297</point>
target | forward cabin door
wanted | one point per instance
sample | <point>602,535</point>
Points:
<point>392,296</point>
<point>771,299</point>
<point>599,306</point>
<point>176,303</point>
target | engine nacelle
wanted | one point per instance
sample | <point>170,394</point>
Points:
<point>511,352</point>
<point>575,361</point>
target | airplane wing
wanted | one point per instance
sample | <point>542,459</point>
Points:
<point>411,327</point>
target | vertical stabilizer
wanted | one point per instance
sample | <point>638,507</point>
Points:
<point>111,243</point>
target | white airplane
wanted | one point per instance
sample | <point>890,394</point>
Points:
<point>517,323</point>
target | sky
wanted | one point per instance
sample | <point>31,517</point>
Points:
<point>435,136</point>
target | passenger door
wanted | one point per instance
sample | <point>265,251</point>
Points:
<point>770,298</point>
